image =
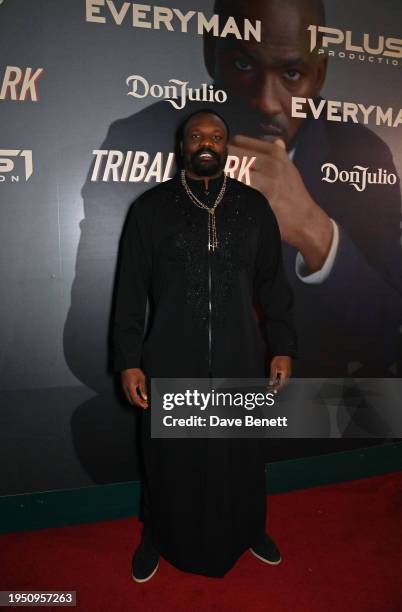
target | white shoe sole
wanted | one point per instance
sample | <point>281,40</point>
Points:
<point>265,560</point>
<point>147,578</point>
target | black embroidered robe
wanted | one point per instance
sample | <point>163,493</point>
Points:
<point>204,498</point>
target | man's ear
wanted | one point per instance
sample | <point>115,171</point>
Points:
<point>209,43</point>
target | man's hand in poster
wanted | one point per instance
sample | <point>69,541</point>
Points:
<point>302,222</point>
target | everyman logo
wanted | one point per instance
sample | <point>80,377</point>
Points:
<point>170,19</point>
<point>336,110</point>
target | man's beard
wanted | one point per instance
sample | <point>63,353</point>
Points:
<point>205,167</point>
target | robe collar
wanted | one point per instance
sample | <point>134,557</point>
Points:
<point>198,185</point>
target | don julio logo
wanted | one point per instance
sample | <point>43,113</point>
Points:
<point>378,48</point>
<point>359,177</point>
<point>177,93</point>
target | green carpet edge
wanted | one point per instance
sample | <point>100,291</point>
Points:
<point>59,508</point>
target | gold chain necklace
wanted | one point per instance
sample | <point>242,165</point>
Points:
<point>212,236</point>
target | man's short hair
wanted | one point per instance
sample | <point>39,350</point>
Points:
<point>202,111</point>
<point>228,7</point>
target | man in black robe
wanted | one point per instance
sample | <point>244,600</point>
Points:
<point>204,275</point>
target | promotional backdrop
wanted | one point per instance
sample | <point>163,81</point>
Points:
<point>91,95</point>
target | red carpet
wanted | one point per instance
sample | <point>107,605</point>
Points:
<point>341,547</point>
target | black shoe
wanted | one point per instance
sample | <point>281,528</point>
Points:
<point>145,560</point>
<point>266,550</point>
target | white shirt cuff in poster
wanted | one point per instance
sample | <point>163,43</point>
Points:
<point>319,276</point>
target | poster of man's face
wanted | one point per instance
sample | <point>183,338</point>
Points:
<point>261,77</point>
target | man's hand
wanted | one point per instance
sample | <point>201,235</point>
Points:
<point>133,383</point>
<point>281,367</point>
<point>302,222</point>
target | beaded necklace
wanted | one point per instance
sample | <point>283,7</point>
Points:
<point>212,236</point>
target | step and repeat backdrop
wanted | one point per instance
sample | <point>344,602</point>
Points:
<point>91,95</point>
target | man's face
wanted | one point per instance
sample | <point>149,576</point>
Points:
<point>204,145</point>
<point>261,78</point>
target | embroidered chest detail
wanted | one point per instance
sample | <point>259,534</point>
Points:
<point>222,266</point>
